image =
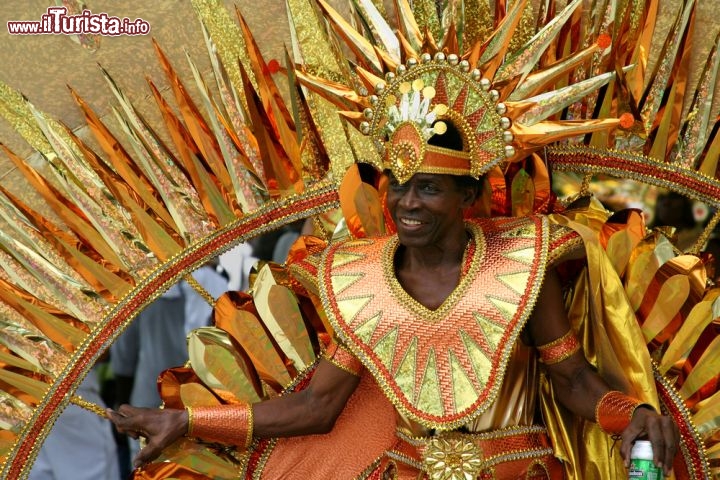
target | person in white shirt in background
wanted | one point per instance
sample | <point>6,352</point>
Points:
<point>78,430</point>
<point>215,280</point>
<point>156,341</point>
<point>238,262</point>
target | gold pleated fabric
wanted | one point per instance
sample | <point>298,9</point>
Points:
<point>613,343</point>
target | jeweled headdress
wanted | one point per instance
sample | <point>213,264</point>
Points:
<point>531,88</point>
<point>415,105</point>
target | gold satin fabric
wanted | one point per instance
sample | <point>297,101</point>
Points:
<point>605,323</point>
<point>515,404</point>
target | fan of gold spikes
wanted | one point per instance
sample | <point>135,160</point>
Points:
<point>132,219</point>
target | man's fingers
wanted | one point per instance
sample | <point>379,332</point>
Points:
<point>122,423</point>
<point>663,435</point>
<point>658,445</point>
<point>128,410</point>
<point>628,437</point>
<point>147,454</point>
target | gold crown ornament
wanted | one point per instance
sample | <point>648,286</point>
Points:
<point>415,105</point>
<point>506,104</point>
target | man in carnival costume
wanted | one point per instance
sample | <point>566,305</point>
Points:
<point>447,316</point>
<point>451,317</point>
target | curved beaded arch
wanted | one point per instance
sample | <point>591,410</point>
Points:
<point>267,218</point>
<point>586,160</point>
<point>276,214</point>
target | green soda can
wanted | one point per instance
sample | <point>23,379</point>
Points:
<point>641,462</point>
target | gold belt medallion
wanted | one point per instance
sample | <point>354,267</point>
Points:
<point>452,459</point>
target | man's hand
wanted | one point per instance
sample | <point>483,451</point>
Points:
<point>659,429</point>
<point>160,427</point>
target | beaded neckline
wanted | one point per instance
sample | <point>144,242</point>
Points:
<point>474,250</point>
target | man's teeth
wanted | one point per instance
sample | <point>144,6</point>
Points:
<point>408,221</point>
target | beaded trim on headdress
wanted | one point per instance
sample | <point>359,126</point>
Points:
<point>414,106</point>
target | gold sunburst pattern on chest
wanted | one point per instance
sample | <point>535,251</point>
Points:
<point>439,367</point>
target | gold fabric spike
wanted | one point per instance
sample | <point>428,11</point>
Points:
<point>496,46</point>
<point>464,393</point>
<point>248,331</point>
<point>81,186</point>
<point>15,109</point>
<point>214,197</point>
<point>695,130</point>
<point>228,374</point>
<point>320,59</point>
<point>159,166</point>
<point>228,39</point>
<point>663,74</point>
<point>386,348</point>
<point>273,101</point>
<point>429,388</point>
<point>406,372</point>
<point>366,330</point>
<point>31,348</point>
<point>28,386</point>
<point>249,182</point>
<point>205,141</point>
<point>523,61</point>
<point>361,47</point>
<point>116,155</point>
<point>55,279</point>
<point>699,318</point>
<point>382,32</point>
<point>409,27</point>
<point>280,313</point>
<point>13,414</point>
<point>477,25</point>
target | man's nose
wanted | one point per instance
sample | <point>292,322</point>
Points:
<point>409,198</point>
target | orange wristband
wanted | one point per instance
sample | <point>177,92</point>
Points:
<point>559,349</point>
<point>614,411</point>
<point>229,424</point>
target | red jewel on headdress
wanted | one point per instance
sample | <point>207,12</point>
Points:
<point>627,120</point>
<point>604,41</point>
<point>273,66</point>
